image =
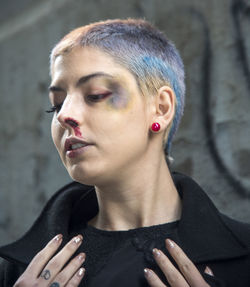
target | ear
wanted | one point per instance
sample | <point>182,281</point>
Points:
<point>165,101</point>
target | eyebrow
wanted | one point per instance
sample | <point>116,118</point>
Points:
<point>81,81</point>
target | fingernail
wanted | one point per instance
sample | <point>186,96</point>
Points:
<point>58,238</point>
<point>147,273</point>
<point>77,239</point>
<point>81,272</point>
<point>81,257</point>
<point>208,271</point>
<point>170,243</point>
<point>156,252</point>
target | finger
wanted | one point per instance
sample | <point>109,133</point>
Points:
<point>186,266</point>
<point>66,274</point>
<point>76,279</point>
<point>57,262</point>
<point>152,278</point>
<point>208,271</point>
<point>42,257</point>
<point>174,277</point>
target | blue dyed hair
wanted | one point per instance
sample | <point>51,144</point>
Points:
<point>143,50</point>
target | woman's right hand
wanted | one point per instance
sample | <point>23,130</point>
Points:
<point>46,271</point>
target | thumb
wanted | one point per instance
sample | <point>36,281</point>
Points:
<point>208,271</point>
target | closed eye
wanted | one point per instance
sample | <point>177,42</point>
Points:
<point>97,97</point>
<point>91,98</point>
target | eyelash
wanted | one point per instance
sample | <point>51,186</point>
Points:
<point>97,97</point>
<point>93,98</point>
<point>55,108</point>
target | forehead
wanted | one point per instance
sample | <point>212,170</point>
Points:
<point>84,61</point>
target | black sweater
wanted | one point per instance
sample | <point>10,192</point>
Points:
<point>117,258</point>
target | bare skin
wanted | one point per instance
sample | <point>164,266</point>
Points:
<point>124,160</point>
<point>188,274</point>
<point>126,163</point>
<point>45,270</point>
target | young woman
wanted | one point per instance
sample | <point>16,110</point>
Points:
<point>117,93</point>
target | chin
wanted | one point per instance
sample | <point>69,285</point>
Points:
<point>85,175</point>
<point>80,175</point>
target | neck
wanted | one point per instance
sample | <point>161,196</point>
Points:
<point>148,197</point>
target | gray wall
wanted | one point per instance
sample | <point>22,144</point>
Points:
<point>213,141</point>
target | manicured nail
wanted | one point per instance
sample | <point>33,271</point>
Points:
<point>81,257</point>
<point>170,243</point>
<point>156,252</point>
<point>58,238</point>
<point>77,239</point>
<point>81,272</point>
<point>147,273</point>
<point>208,271</point>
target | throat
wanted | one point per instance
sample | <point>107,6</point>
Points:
<point>161,209</point>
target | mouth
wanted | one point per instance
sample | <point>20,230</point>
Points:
<point>75,146</point>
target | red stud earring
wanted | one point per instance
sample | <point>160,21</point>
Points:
<point>156,127</point>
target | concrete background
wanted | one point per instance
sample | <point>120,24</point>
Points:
<point>212,145</point>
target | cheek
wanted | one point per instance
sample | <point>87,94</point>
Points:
<point>55,132</point>
<point>128,125</point>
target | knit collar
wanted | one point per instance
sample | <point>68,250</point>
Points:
<point>204,234</point>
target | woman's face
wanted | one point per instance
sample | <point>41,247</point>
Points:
<point>98,103</point>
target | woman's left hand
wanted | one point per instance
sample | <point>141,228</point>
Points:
<point>188,276</point>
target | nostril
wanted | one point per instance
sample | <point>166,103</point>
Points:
<point>73,123</point>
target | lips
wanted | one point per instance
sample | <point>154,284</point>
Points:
<point>74,143</point>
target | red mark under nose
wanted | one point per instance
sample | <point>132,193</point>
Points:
<point>74,124</point>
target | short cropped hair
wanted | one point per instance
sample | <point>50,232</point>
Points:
<point>143,50</point>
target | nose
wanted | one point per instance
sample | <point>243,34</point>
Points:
<point>67,117</point>
<point>72,122</point>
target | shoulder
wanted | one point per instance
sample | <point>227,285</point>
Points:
<point>240,229</point>
<point>58,216</point>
